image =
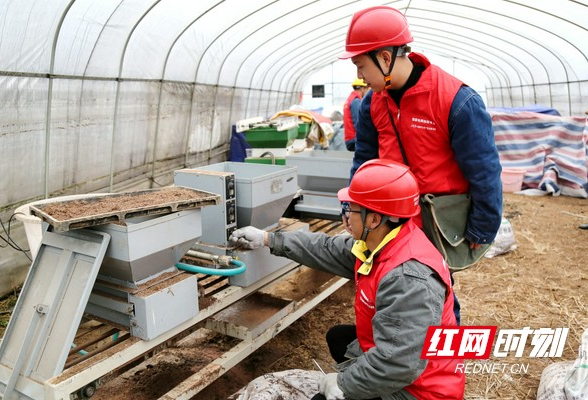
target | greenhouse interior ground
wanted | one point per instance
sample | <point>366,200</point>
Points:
<point>114,96</point>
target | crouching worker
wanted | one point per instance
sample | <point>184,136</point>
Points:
<point>402,287</point>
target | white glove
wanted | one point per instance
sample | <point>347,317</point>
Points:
<point>248,237</point>
<point>329,388</point>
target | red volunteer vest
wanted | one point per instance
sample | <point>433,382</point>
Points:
<point>422,123</point>
<point>439,380</point>
<point>349,129</point>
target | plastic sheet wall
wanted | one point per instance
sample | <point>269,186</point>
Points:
<point>98,142</point>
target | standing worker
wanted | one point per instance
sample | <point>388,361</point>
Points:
<point>420,115</point>
<point>402,287</point>
<point>351,111</point>
<point>442,124</point>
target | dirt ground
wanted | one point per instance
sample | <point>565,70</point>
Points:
<point>540,284</point>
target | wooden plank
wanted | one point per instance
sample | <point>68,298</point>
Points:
<point>188,388</point>
<point>248,318</point>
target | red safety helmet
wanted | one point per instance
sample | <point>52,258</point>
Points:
<point>385,187</point>
<point>375,28</point>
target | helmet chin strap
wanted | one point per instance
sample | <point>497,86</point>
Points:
<point>387,76</point>
<point>367,230</point>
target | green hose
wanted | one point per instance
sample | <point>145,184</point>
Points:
<point>197,269</point>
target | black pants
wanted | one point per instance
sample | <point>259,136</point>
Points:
<point>338,338</point>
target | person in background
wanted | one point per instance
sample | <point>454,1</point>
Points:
<point>338,141</point>
<point>351,111</point>
<point>402,285</point>
<point>420,115</point>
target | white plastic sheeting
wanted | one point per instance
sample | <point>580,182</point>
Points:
<point>105,95</point>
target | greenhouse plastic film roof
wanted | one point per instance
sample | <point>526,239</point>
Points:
<point>97,94</point>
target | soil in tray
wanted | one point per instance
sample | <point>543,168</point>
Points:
<point>101,205</point>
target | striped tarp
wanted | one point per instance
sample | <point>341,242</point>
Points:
<point>551,149</point>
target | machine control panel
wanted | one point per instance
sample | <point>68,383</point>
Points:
<point>223,184</point>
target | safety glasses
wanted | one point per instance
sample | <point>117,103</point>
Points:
<point>346,210</point>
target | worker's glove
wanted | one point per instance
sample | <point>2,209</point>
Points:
<point>248,237</point>
<point>329,388</point>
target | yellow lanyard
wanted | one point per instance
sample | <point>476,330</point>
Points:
<point>360,250</point>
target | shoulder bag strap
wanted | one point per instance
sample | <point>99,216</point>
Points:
<point>398,138</point>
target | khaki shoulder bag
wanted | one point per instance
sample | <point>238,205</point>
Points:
<point>444,222</point>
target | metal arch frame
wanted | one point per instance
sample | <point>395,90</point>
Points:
<point>473,64</point>
<point>476,65</point>
<point>302,61</point>
<point>286,60</point>
<point>296,88</point>
<point>521,48</point>
<point>197,69</point>
<point>118,81</point>
<point>480,57</point>
<point>50,91</point>
<point>164,69</point>
<point>117,94</point>
<point>471,53</point>
<point>267,41</point>
<point>290,55</point>
<point>565,68</point>
<point>285,63</point>
<point>300,78</point>
<point>228,54</point>
<point>520,21</point>
<point>50,96</point>
<point>464,61</point>
<point>283,60</point>
<point>499,73</point>
<point>289,61</point>
<point>328,57</point>
<point>530,74</point>
<point>86,70</point>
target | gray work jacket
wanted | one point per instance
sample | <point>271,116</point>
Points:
<point>409,299</point>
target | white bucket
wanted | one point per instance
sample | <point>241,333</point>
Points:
<point>34,225</point>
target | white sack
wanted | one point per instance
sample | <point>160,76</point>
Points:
<point>294,384</point>
<point>504,242</point>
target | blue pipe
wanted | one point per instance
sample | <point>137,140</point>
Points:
<point>84,352</point>
<point>214,271</point>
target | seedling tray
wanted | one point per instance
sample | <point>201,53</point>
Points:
<point>270,137</point>
<point>112,208</point>
<point>303,129</point>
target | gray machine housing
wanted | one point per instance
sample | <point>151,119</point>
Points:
<point>261,194</point>
<point>321,174</point>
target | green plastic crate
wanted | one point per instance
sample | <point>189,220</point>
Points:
<point>303,129</point>
<point>270,137</point>
<point>266,160</point>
